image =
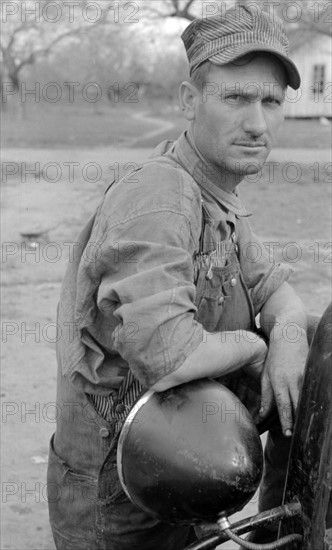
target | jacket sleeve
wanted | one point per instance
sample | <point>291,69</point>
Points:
<point>144,271</point>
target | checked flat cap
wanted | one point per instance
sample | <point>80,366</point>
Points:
<point>224,38</point>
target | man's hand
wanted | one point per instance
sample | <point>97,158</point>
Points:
<point>282,377</point>
<point>283,320</point>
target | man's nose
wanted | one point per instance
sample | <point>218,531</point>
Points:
<point>254,122</point>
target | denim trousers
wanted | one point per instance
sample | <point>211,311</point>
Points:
<point>87,507</point>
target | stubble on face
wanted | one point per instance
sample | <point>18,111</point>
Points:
<point>237,116</point>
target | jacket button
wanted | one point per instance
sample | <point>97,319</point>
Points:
<point>233,282</point>
<point>221,300</point>
<point>104,432</point>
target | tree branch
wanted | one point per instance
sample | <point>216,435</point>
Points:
<point>183,12</point>
<point>15,65</point>
<point>189,3</point>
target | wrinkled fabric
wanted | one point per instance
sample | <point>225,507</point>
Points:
<point>87,506</point>
<point>166,254</point>
<point>128,296</point>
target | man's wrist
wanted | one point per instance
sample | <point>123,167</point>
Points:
<point>253,346</point>
<point>288,332</point>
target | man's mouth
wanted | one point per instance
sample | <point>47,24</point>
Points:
<point>250,144</point>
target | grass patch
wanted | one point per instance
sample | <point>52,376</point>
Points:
<point>83,125</point>
<point>75,126</point>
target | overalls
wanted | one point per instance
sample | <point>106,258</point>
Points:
<point>88,509</point>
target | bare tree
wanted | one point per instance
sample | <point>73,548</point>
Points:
<point>302,15</point>
<point>185,9</point>
<point>314,15</point>
<point>32,31</point>
<point>181,9</point>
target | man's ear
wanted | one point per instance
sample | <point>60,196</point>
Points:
<point>188,95</point>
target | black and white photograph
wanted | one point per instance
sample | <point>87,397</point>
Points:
<point>166,251</point>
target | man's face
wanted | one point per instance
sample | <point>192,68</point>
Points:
<point>237,114</point>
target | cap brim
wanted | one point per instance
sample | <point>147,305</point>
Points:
<point>234,53</point>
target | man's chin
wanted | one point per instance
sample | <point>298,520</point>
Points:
<point>249,165</point>
<point>248,168</point>
<point>251,170</point>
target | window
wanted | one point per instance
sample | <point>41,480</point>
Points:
<point>318,79</point>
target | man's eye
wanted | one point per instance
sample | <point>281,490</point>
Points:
<point>272,101</point>
<point>233,98</point>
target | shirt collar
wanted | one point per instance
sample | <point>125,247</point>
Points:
<point>187,154</point>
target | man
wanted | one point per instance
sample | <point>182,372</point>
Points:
<point>166,284</point>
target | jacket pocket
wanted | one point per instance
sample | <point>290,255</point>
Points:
<point>72,498</point>
<point>211,293</point>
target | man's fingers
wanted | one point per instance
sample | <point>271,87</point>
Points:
<point>285,410</point>
<point>267,398</point>
<point>294,394</point>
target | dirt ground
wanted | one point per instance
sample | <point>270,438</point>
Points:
<point>296,216</point>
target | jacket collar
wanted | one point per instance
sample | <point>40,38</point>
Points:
<point>186,153</point>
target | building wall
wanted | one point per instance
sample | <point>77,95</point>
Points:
<point>304,102</point>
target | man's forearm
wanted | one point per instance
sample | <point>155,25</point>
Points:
<point>283,315</point>
<point>218,354</point>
